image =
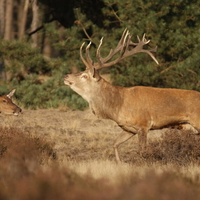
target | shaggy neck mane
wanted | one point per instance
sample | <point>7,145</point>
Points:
<point>107,101</point>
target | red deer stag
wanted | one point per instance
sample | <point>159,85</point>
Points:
<point>7,106</point>
<point>135,109</point>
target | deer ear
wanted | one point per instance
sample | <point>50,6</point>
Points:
<point>95,73</point>
<point>10,94</point>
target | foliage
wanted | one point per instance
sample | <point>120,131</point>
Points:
<point>19,54</point>
<point>173,26</point>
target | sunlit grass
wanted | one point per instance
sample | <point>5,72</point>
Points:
<point>46,153</point>
<point>117,173</point>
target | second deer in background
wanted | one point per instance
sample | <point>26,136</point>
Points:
<point>7,106</point>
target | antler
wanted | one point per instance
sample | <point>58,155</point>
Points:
<point>125,47</point>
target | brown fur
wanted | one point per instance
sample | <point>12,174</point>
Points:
<point>138,109</point>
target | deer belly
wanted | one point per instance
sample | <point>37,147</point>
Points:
<point>165,121</point>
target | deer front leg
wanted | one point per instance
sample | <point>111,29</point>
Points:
<point>124,136</point>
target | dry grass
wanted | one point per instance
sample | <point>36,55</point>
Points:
<point>50,154</point>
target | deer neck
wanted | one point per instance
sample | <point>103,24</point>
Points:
<point>106,101</point>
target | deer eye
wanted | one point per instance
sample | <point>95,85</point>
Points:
<point>84,76</point>
<point>4,100</point>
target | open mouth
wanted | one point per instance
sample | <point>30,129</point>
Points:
<point>67,82</point>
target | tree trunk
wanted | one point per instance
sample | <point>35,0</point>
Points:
<point>2,18</point>
<point>9,18</point>
<point>22,17</point>
<point>35,20</point>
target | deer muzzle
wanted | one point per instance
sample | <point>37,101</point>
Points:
<point>17,111</point>
<point>67,81</point>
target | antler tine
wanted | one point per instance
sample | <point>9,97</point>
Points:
<point>122,43</point>
<point>98,54</point>
<point>88,58</point>
<point>144,39</point>
<point>121,46</point>
<point>154,49</point>
<point>138,39</point>
<point>124,35</point>
<point>125,44</point>
<point>88,62</point>
<point>149,52</point>
<point>81,55</point>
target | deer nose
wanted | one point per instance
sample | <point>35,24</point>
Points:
<point>18,110</point>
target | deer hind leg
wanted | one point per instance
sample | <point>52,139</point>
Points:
<point>142,139</point>
<point>124,136</point>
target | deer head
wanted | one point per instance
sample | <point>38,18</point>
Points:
<point>7,106</point>
<point>84,83</point>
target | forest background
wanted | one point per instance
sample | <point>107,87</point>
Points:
<point>40,41</point>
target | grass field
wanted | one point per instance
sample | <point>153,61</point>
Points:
<point>54,154</point>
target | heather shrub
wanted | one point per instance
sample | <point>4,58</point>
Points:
<point>168,185</point>
<point>177,147</point>
<point>54,184</point>
<point>14,144</point>
<point>65,184</point>
<point>25,172</point>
